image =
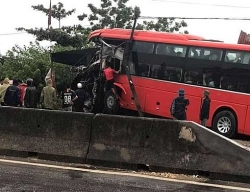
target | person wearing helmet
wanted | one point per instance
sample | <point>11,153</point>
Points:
<point>179,106</point>
<point>82,96</point>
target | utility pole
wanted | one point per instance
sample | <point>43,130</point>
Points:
<point>125,62</point>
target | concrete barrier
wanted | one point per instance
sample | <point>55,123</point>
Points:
<point>118,139</point>
<point>165,143</point>
<point>44,131</point>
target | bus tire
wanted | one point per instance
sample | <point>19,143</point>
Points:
<point>111,104</point>
<point>225,124</point>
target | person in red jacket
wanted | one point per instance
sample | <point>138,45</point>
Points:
<point>22,86</point>
<point>109,75</point>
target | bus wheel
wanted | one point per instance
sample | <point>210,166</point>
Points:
<point>224,123</point>
<point>111,104</point>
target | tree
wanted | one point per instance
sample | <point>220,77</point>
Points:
<point>116,14</point>
<point>74,36</point>
<point>57,11</point>
<point>110,14</point>
<point>164,24</point>
<point>33,61</point>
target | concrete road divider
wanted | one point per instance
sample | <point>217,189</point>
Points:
<point>165,143</point>
<point>122,140</point>
<point>44,131</point>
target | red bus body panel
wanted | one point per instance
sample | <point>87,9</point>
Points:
<point>155,96</point>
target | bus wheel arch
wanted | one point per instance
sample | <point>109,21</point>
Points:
<point>225,122</point>
<point>119,88</point>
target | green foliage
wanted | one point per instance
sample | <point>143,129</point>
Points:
<point>116,14</point>
<point>33,61</point>
<point>110,14</point>
<point>164,24</point>
<point>75,36</point>
<point>57,11</point>
<point>25,62</point>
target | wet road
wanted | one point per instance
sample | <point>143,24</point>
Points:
<point>26,177</point>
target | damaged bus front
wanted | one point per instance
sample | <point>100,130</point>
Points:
<point>92,77</point>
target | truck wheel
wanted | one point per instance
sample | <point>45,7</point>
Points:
<point>225,124</point>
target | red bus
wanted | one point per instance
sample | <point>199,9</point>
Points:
<point>162,63</point>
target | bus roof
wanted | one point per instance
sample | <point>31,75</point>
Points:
<point>117,33</point>
<point>164,37</point>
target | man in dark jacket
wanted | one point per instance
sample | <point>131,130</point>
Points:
<point>31,97</point>
<point>12,96</point>
<point>82,96</point>
<point>205,108</point>
<point>68,97</point>
<point>179,106</point>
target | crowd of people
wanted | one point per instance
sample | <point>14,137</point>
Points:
<point>20,94</point>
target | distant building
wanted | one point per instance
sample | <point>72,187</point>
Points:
<point>244,38</point>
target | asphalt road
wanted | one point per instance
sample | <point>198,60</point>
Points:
<point>20,176</point>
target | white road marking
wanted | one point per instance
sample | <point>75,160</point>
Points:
<point>124,174</point>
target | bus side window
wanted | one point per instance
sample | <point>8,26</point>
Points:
<point>164,72</point>
<point>233,57</point>
<point>205,53</point>
<point>208,80</point>
<point>193,77</point>
<point>173,74</point>
<point>143,70</point>
<point>171,50</point>
<point>180,50</point>
<point>165,49</point>
<point>237,57</point>
<point>154,71</point>
<point>131,68</point>
<point>143,47</point>
<point>193,53</point>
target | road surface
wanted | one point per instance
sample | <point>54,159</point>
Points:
<point>23,176</point>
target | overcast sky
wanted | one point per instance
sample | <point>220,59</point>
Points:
<point>18,13</point>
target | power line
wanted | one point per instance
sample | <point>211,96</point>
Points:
<point>209,4</point>
<point>199,18</point>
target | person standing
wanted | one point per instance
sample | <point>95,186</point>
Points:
<point>82,96</point>
<point>3,89</point>
<point>205,108</point>
<point>31,95</point>
<point>68,97</point>
<point>13,95</point>
<point>48,96</point>
<point>179,106</point>
<point>22,86</point>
